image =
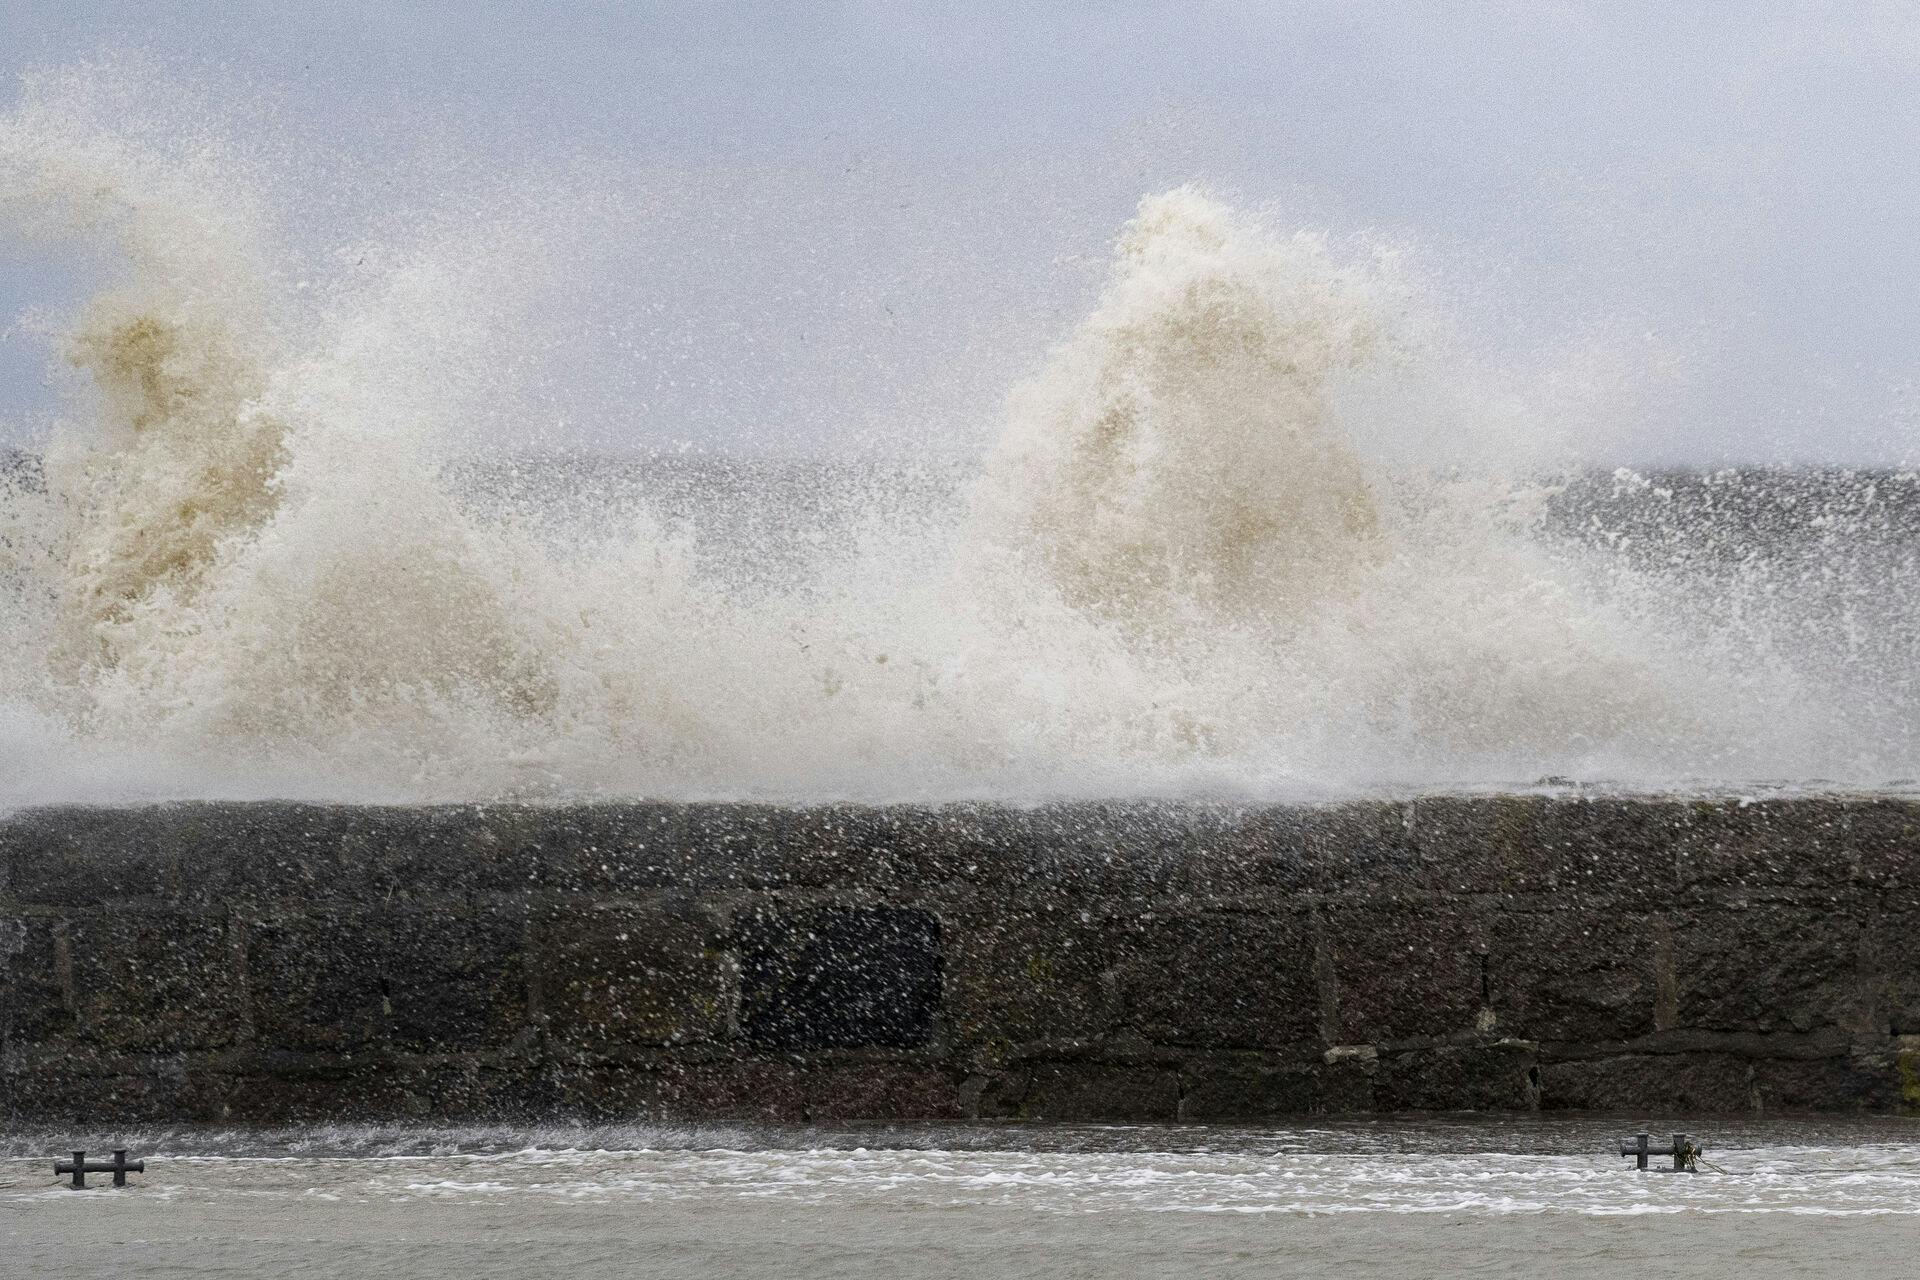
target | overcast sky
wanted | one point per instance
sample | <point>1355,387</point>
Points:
<point>1716,202</point>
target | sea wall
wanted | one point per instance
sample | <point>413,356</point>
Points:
<point>279,962</point>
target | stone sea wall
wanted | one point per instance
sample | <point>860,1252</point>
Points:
<point>279,962</point>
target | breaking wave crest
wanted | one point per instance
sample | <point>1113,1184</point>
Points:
<point>251,559</point>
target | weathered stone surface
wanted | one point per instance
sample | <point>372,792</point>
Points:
<point>1365,846</point>
<point>1066,851</point>
<point>1757,845</point>
<point>1549,844</point>
<point>1863,1082</point>
<point>1884,836</point>
<point>1502,1076</point>
<point>250,854</point>
<point>1044,975</point>
<point>809,1090</point>
<point>1892,943</point>
<point>624,849</point>
<point>154,982</point>
<point>73,1089</point>
<point>1680,1082</point>
<point>1220,981</point>
<point>425,981</point>
<point>1073,1090</point>
<point>81,857</point>
<point>1144,961</point>
<point>1248,1087</point>
<point>35,997</point>
<point>1584,974</point>
<point>615,976</point>
<point>1406,971</point>
<point>839,978</point>
<point>1769,968</point>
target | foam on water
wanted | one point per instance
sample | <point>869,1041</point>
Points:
<point>248,563</point>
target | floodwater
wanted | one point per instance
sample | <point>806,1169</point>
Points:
<point>1383,1198</point>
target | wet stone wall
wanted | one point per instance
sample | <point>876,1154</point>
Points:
<point>278,962</point>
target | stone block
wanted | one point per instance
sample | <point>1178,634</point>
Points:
<point>1537,844</point>
<point>1039,976</point>
<point>1583,974</point>
<point>1364,847</point>
<point>1770,967</point>
<point>1885,838</point>
<point>1756,846</point>
<point>286,1089</point>
<point>1649,1084</point>
<point>155,981</point>
<point>36,965</point>
<point>839,978</point>
<point>842,847</point>
<point>411,980</point>
<point>807,1090</point>
<point>1074,851</point>
<point>89,1094</point>
<point>1893,950</point>
<point>1856,1082</point>
<point>629,849</point>
<point>1222,981</point>
<point>1404,972</point>
<point>615,976</point>
<point>1345,1081</point>
<point>258,854</point>
<point>1089,1091</point>
<point>76,856</point>
<point>1495,1077</point>
<point>1216,1087</point>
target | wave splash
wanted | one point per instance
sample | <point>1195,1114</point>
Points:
<point>250,562</point>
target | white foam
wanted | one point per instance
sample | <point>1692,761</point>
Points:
<point>1177,573</point>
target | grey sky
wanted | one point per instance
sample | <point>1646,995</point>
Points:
<point>1721,197</point>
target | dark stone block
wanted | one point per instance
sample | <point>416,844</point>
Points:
<point>1584,975</point>
<point>376,1088</point>
<point>74,856</point>
<point>820,979</point>
<point>1769,968</point>
<point>33,998</point>
<point>155,981</point>
<point>796,1090</point>
<point>1405,971</point>
<point>612,976</point>
<point>1071,851</point>
<point>1885,839</point>
<point>254,854</point>
<point>1365,846</point>
<point>780,846</point>
<point>1247,1087</point>
<point>1345,1083</point>
<point>1858,1082</point>
<point>1085,1091</point>
<point>1496,1077</point>
<point>85,1093</point>
<point>1547,844</point>
<point>1222,981</point>
<point>603,849</point>
<point>426,981</point>
<point>1649,1083</point>
<point>609,1091</point>
<point>1893,945</point>
<point>1801,843</point>
<point>1034,977</point>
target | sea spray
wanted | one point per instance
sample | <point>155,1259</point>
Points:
<point>260,554</point>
